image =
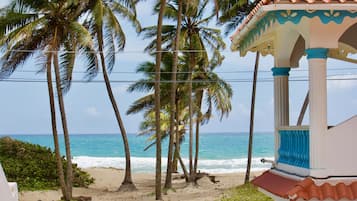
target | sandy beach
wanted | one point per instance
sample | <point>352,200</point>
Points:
<point>107,181</point>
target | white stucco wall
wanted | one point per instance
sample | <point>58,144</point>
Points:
<point>341,148</point>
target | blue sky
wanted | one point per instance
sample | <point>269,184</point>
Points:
<point>24,107</point>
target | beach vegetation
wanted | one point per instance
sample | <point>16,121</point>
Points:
<point>43,28</point>
<point>33,167</point>
<point>246,192</point>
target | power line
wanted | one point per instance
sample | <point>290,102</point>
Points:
<point>116,52</point>
<point>218,72</point>
<point>21,80</point>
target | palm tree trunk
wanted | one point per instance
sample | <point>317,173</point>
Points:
<point>177,135</point>
<point>250,143</point>
<point>158,195</point>
<point>198,122</point>
<point>69,169</point>
<point>168,181</point>
<point>127,184</point>
<point>190,109</point>
<point>187,177</point>
<point>303,110</point>
<point>54,128</point>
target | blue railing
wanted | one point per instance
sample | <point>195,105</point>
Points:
<point>294,147</point>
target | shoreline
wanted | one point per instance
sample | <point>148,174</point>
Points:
<point>108,180</point>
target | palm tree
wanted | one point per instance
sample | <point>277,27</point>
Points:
<point>110,37</point>
<point>216,94</point>
<point>32,27</point>
<point>168,180</point>
<point>232,14</point>
<point>208,87</point>
<point>251,127</point>
<point>157,100</point>
<point>147,103</point>
<point>194,36</point>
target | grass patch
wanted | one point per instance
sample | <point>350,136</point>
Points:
<point>246,192</point>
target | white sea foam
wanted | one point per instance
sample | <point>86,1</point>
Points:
<point>142,164</point>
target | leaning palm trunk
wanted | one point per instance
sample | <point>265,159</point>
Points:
<point>168,181</point>
<point>198,122</point>
<point>54,127</point>
<point>127,184</point>
<point>158,195</point>
<point>69,169</point>
<point>251,128</point>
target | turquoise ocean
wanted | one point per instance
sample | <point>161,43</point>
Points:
<point>219,152</point>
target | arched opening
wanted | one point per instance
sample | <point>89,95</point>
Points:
<point>342,79</point>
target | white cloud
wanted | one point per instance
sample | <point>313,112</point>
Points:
<point>92,111</point>
<point>340,82</point>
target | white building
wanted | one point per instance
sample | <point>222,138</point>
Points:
<point>316,160</point>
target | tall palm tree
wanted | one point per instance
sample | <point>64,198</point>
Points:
<point>195,36</point>
<point>32,27</point>
<point>232,14</point>
<point>251,127</point>
<point>176,47</point>
<point>216,94</point>
<point>208,87</point>
<point>110,38</point>
<point>158,195</point>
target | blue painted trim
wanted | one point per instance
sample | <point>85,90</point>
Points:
<point>294,148</point>
<point>280,71</point>
<point>293,16</point>
<point>316,53</point>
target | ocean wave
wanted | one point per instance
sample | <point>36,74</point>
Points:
<point>146,164</point>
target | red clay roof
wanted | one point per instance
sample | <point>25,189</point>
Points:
<point>275,184</point>
<point>307,189</point>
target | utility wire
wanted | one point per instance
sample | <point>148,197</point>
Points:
<point>168,81</point>
<point>219,72</point>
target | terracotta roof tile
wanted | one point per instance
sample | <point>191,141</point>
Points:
<point>307,189</point>
<point>274,183</point>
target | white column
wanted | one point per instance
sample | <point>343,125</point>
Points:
<point>318,108</point>
<point>281,102</point>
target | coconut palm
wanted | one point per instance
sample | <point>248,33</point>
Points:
<point>208,87</point>
<point>45,27</point>
<point>232,14</point>
<point>110,37</point>
<point>168,180</point>
<point>157,99</point>
<point>195,37</point>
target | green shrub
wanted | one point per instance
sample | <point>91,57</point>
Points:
<point>34,167</point>
<point>246,192</point>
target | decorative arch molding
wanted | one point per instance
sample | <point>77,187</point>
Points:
<point>294,16</point>
<point>349,36</point>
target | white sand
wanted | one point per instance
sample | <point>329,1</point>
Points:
<point>108,180</point>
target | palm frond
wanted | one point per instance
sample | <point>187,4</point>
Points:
<point>67,59</point>
<point>144,103</point>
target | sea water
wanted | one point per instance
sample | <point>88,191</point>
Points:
<point>218,152</point>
